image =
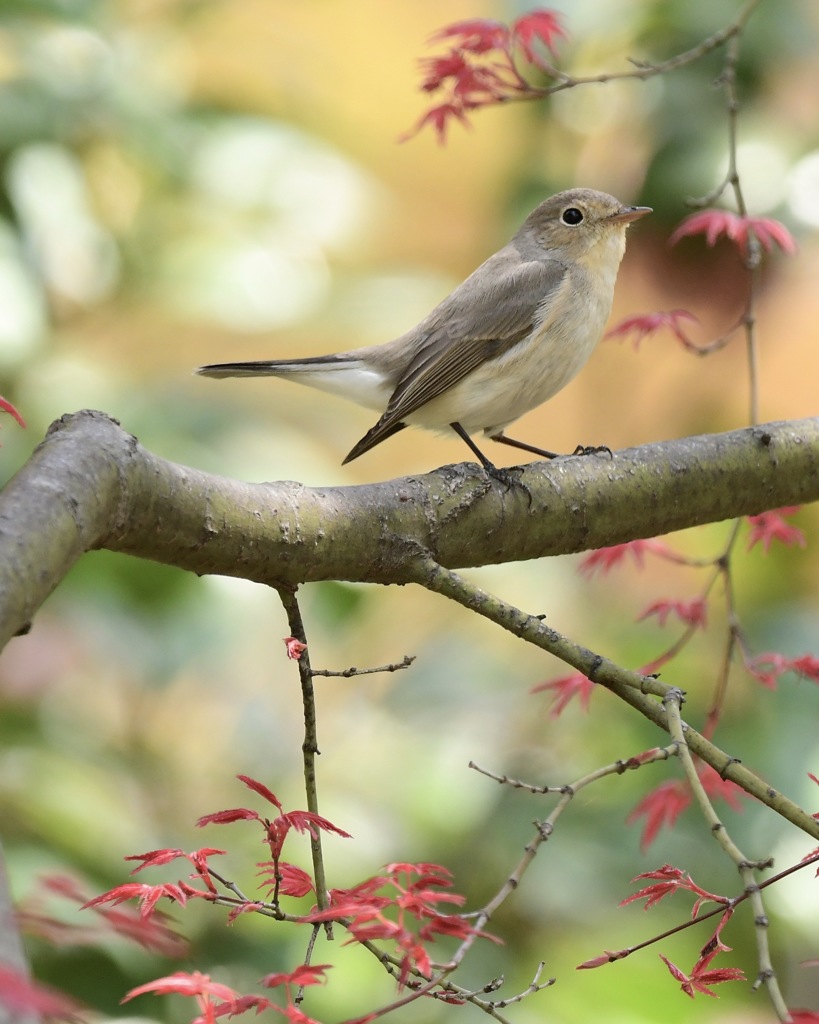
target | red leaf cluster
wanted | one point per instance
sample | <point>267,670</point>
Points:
<point>770,526</point>
<point>24,998</point>
<point>400,906</point>
<point>606,558</point>
<point>667,881</point>
<point>702,976</point>
<point>744,231</point>
<point>36,919</point>
<point>663,805</point>
<point>692,613</point>
<point>769,666</point>
<point>6,406</point>
<point>566,689</point>
<point>480,67</point>
<point>649,323</point>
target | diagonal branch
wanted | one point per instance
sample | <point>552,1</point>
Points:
<point>91,485</point>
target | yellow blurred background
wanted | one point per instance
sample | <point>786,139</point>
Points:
<point>192,182</point>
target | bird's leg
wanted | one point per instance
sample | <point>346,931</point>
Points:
<point>501,438</point>
<point>503,476</point>
<point>581,449</point>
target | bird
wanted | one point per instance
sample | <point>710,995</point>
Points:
<point>507,339</point>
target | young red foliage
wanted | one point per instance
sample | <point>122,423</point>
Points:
<point>667,881</point>
<point>148,895</point>
<point>606,558</point>
<point>475,35</point>
<point>701,977</point>
<point>6,406</point>
<point>205,991</point>
<point>663,805</point>
<point>184,983</point>
<point>304,974</point>
<point>286,879</point>
<point>566,689</point>
<point>413,893</point>
<point>770,526</point>
<point>479,69</point>
<point>25,998</point>
<point>692,613</point>
<point>739,229</point>
<point>537,29</point>
<point>295,648</point>
<point>770,665</point>
<point>649,323</point>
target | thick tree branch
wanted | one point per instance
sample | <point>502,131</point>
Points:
<point>90,485</point>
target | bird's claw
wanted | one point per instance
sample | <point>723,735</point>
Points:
<point>508,478</point>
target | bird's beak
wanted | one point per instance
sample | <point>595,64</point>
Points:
<point>626,214</point>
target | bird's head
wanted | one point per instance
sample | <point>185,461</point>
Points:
<point>581,225</point>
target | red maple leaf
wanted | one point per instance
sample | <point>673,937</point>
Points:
<point>286,879</point>
<point>692,613</point>
<point>701,978</point>
<point>538,28</point>
<point>439,118</point>
<point>668,880</point>
<point>662,806</point>
<point>261,789</point>
<point>605,558</point>
<point>152,933</point>
<point>739,229</point>
<point>9,408</point>
<point>566,689</point>
<point>477,35</point>
<point>228,817</point>
<point>770,526</point>
<point>770,665</point>
<point>158,857</point>
<point>649,323</point>
<point>304,974</point>
<point>479,70</point>
<point>184,983</point>
<point>147,895</point>
<point>21,996</point>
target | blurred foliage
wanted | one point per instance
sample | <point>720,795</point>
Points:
<point>185,182</point>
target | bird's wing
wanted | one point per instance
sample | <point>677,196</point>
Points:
<point>470,327</point>
<point>467,330</point>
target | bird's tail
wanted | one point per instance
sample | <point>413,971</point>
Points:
<point>277,367</point>
<point>344,375</point>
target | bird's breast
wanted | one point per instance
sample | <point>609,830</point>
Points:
<point>565,331</point>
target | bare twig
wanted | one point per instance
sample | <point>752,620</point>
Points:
<point>310,745</point>
<point>346,673</point>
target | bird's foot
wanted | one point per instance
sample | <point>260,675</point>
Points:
<point>593,449</point>
<point>509,477</point>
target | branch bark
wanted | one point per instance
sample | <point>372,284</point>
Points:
<point>90,485</point>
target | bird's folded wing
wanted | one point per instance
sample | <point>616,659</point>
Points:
<point>471,326</point>
<point>494,320</point>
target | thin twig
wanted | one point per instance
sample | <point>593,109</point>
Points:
<point>767,974</point>
<point>310,745</point>
<point>353,671</point>
<point>631,687</point>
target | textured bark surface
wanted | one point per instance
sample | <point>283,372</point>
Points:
<point>91,485</point>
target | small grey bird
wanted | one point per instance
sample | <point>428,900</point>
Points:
<point>508,338</point>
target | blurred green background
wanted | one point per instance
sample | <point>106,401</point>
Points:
<point>191,181</point>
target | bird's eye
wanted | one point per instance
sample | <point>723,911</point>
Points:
<point>572,216</point>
